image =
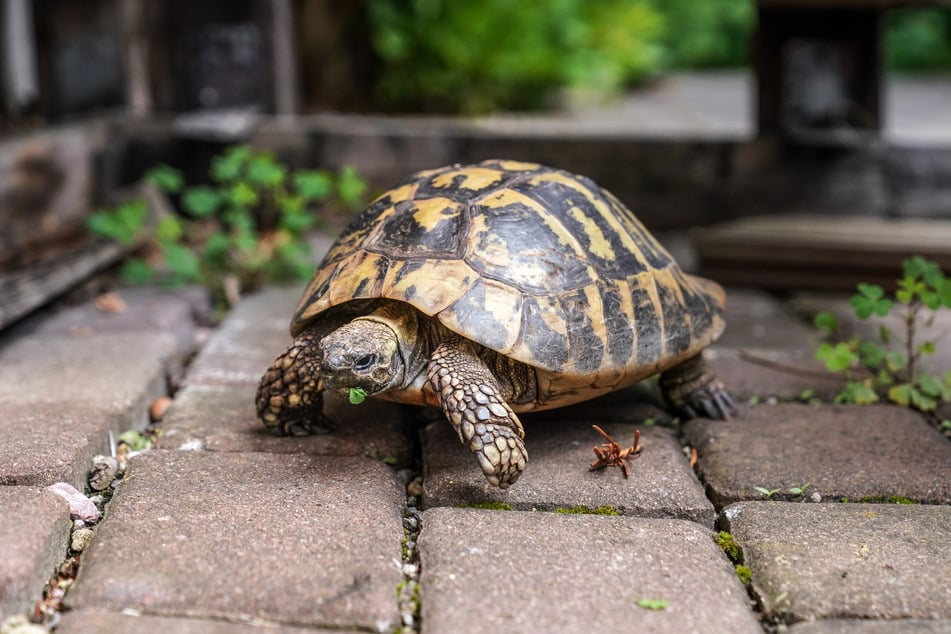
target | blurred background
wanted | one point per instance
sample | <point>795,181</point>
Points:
<point>795,142</point>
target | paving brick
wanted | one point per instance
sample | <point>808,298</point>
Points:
<point>223,418</point>
<point>297,539</point>
<point>862,626</point>
<point>755,319</point>
<point>43,443</point>
<point>661,483</point>
<point>514,571</point>
<point>253,334</point>
<point>873,561</point>
<point>117,372</point>
<point>33,538</point>
<point>849,451</point>
<point>93,620</point>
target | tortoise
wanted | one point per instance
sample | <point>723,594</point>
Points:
<point>490,290</point>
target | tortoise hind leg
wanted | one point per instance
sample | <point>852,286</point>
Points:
<point>475,406</point>
<point>289,398</point>
<point>693,390</point>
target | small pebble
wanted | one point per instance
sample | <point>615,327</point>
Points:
<point>104,469</point>
<point>159,407</point>
<point>815,497</point>
<point>81,539</point>
<point>80,508</point>
<point>410,523</point>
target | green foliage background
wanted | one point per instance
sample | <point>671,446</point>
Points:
<point>476,56</point>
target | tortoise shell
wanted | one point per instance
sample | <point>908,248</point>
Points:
<point>536,263</point>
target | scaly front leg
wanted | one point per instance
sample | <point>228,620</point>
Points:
<point>474,404</point>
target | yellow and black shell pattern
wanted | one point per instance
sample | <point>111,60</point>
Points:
<point>533,262</point>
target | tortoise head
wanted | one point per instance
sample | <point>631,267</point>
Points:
<point>362,354</point>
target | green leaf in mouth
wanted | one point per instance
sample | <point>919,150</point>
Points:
<point>357,395</point>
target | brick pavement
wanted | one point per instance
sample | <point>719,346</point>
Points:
<point>222,528</point>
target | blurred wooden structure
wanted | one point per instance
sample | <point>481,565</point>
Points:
<point>818,252</point>
<point>819,66</point>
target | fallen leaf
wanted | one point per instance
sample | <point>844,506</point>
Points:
<point>111,303</point>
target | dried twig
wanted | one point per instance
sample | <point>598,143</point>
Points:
<point>610,453</point>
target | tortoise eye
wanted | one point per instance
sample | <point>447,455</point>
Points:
<point>365,362</point>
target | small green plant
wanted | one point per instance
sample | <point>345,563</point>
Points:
<point>799,490</point>
<point>890,366</point>
<point>245,229</point>
<point>769,493</point>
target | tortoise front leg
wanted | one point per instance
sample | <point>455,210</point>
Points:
<point>474,404</point>
<point>289,398</point>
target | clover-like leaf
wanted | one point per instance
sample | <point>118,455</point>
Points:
<point>869,301</point>
<point>201,201</point>
<point>857,393</point>
<point>871,354</point>
<point>357,395</point>
<point>313,184</point>
<point>825,320</point>
<point>836,357</point>
<point>243,195</point>
<point>166,178</point>
<point>900,394</point>
<point>264,170</point>
<point>351,187</point>
<point>182,262</point>
<point>169,229</point>
<point>931,385</point>
<point>228,167</point>
<point>895,361</point>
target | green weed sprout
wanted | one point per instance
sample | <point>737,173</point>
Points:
<point>890,366</point>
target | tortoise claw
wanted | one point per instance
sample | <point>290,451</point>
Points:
<point>301,427</point>
<point>712,401</point>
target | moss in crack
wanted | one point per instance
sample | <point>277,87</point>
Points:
<point>744,573</point>
<point>587,510</point>
<point>726,541</point>
<point>491,506</point>
<point>890,499</point>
